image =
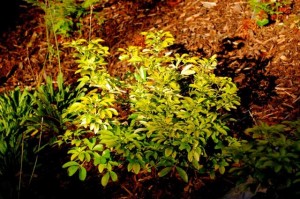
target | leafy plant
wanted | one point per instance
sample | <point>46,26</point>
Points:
<point>271,155</point>
<point>178,106</point>
<point>49,104</point>
<point>263,10</point>
<point>24,114</point>
<point>88,152</point>
<point>91,58</point>
<point>179,128</point>
<point>15,108</point>
<point>92,112</point>
<point>60,14</point>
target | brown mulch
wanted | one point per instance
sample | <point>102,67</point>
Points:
<point>263,61</point>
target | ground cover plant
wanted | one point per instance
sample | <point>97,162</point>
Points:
<point>148,118</point>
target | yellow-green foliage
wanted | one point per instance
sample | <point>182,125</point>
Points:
<point>177,108</point>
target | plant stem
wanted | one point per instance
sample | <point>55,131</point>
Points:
<point>39,146</point>
<point>56,42</point>
<point>21,166</point>
<point>91,13</point>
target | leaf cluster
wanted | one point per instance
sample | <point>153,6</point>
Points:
<point>15,108</point>
<point>27,113</point>
<point>263,10</point>
<point>170,129</point>
<point>271,155</point>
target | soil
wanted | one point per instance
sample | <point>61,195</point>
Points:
<point>262,61</point>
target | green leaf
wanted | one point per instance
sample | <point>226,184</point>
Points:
<point>186,70</point>
<point>262,22</point>
<point>182,174</point>
<point>102,160</point>
<point>136,167</point>
<point>87,157</point>
<point>3,147</point>
<point>98,147</point>
<point>164,171</point>
<point>72,170</point>
<point>101,167</point>
<point>196,156</point>
<point>73,156</point>
<point>196,164</point>
<point>135,59</point>
<point>81,156</point>
<point>190,156</point>
<point>106,153</point>
<point>168,151</point>
<point>113,176</point>
<point>277,168</point>
<point>222,169</point>
<point>108,166</point>
<point>129,166</point>
<point>82,173</point>
<point>105,179</point>
<point>143,73</point>
<point>71,163</point>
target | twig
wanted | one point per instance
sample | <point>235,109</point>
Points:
<point>21,166</point>
<point>123,187</point>
<point>296,100</point>
<point>39,146</point>
<point>252,117</point>
<point>91,14</point>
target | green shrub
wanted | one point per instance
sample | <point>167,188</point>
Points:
<point>271,155</point>
<point>178,112</point>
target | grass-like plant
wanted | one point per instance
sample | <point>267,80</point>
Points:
<point>50,101</point>
<point>29,121</point>
<point>15,108</point>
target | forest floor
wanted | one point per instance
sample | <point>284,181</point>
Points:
<point>264,61</point>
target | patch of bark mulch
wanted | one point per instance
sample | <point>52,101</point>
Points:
<point>263,61</point>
